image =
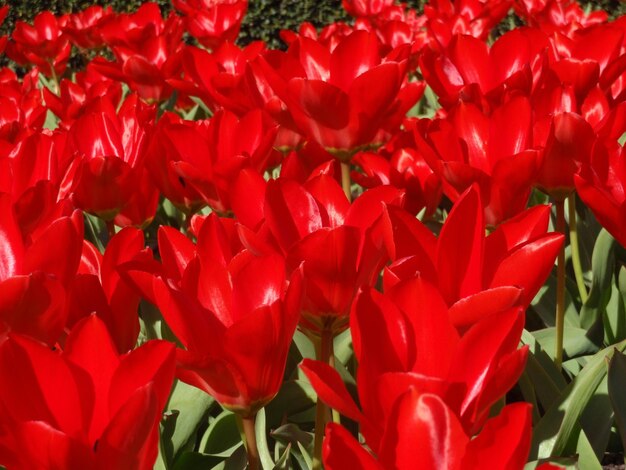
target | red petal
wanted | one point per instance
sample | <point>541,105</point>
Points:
<point>330,388</point>
<point>341,451</point>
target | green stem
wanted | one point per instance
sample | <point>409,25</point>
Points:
<point>346,182</point>
<point>252,450</point>
<point>326,355</point>
<point>573,242</point>
<point>560,285</point>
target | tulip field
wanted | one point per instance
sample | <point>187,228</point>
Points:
<point>394,243</point>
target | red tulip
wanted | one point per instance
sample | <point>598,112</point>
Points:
<point>463,262</point>
<point>34,279</point>
<point>365,8</point>
<point>212,22</point>
<point>601,184</point>
<point>98,287</point>
<point>235,314</point>
<point>83,28</point>
<point>86,407</point>
<point>213,153</point>
<point>568,147</point>
<point>468,70</point>
<point>42,44</point>
<point>146,49</point>
<point>423,433</point>
<point>109,151</point>
<point>219,78</point>
<point>338,242</point>
<point>490,150</point>
<point>342,98</point>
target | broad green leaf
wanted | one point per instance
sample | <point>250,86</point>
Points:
<point>261,440</point>
<point>602,265</point>
<point>617,390</point>
<point>222,436</point>
<point>304,344</point>
<point>167,428</point>
<point>192,405</point>
<point>294,396</point>
<point>615,313</point>
<point>343,347</point>
<point>576,342</point>
<point>544,303</point>
<point>192,461</point>
<point>587,459</point>
<point>597,419</point>
<point>559,426</point>
<point>237,461</point>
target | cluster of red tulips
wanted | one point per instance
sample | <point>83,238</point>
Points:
<point>360,218</point>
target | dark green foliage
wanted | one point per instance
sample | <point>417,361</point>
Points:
<point>264,20</point>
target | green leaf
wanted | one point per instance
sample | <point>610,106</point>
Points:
<point>602,265</point>
<point>192,405</point>
<point>576,342</point>
<point>192,461</point>
<point>587,459</point>
<point>222,437</point>
<point>237,461</point>
<point>544,304</point>
<point>51,122</point>
<point>559,426</point>
<point>294,396</point>
<point>544,376</point>
<point>282,463</point>
<point>617,388</point>
<point>615,313</point>
<point>597,420</point>
<point>291,434</point>
<point>261,440</point>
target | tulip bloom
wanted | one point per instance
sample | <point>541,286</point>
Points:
<point>85,407</point>
<point>463,262</point>
<point>491,150</point>
<point>109,150</point>
<point>42,44</point>
<point>422,432</point>
<point>342,98</point>
<point>98,287</point>
<point>212,22</point>
<point>34,280</point>
<point>235,314</point>
<point>601,184</point>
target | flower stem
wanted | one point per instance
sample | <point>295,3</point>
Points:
<point>327,356</point>
<point>252,450</point>
<point>560,285</point>
<point>573,241</point>
<point>346,182</point>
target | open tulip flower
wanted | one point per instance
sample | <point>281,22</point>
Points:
<point>108,149</point>
<point>601,184</point>
<point>212,22</point>
<point>234,313</point>
<point>493,150</point>
<point>214,152</point>
<point>42,44</point>
<point>98,287</point>
<point>34,280</point>
<point>84,407</point>
<point>146,48</point>
<point>435,440</point>
<point>339,243</point>
<point>465,263</point>
<point>468,70</point>
<point>342,98</point>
